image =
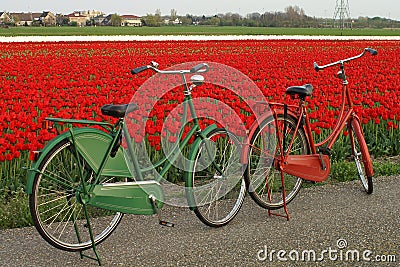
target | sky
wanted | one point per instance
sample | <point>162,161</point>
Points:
<point>313,8</point>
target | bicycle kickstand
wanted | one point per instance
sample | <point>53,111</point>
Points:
<point>284,196</point>
<point>270,213</point>
<point>89,226</point>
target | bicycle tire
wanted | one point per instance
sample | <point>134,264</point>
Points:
<point>218,197</point>
<point>361,156</point>
<point>55,209</point>
<point>261,155</point>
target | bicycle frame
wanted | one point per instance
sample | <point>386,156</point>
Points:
<point>306,166</point>
<point>167,161</point>
<point>300,112</point>
<point>98,154</point>
<point>114,132</point>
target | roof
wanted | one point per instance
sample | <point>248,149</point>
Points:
<point>44,14</point>
<point>76,15</point>
<point>27,16</point>
<point>130,17</point>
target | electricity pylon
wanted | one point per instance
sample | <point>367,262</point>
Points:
<point>342,13</point>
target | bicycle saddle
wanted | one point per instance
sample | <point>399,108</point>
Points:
<point>302,91</point>
<point>118,111</point>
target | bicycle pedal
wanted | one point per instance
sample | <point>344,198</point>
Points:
<point>166,224</point>
<point>160,222</point>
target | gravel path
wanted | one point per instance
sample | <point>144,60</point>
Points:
<point>331,220</point>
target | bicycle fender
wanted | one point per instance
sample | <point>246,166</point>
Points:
<point>92,145</point>
<point>188,174</point>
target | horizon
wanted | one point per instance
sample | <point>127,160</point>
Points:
<point>326,9</point>
<point>180,15</point>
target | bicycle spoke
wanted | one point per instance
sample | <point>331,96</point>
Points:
<point>63,218</point>
<point>218,187</point>
<point>67,221</point>
<point>54,205</point>
<point>54,217</point>
<point>261,175</point>
<point>50,209</point>
<point>59,180</point>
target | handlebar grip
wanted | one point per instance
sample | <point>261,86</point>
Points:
<point>202,67</point>
<point>372,51</point>
<point>316,67</point>
<point>139,69</point>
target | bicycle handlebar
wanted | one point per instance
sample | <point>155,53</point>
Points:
<point>199,68</point>
<point>341,62</point>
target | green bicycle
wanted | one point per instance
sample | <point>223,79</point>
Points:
<point>81,184</point>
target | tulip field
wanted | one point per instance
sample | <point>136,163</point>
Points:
<point>74,79</point>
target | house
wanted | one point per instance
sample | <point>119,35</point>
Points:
<point>25,19</point>
<point>47,19</point>
<point>107,21</point>
<point>131,20</point>
<point>93,13</point>
<point>176,21</point>
<point>78,18</point>
<point>5,18</point>
<point>100,20</point>
<point>81,18</point>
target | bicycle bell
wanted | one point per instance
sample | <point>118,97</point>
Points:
<point>197,79</point>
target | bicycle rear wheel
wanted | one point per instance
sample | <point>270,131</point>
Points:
<point>361,156</point>
<point>218,196</point>
<point>57,213</point>
<point>262,178</point>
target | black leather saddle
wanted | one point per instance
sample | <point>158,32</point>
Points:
<point>118,111</point>
<point>301,91</point>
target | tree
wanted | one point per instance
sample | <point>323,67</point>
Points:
<point>62,20</point>
<point>174,14</point>
<point>116,20</point>
<point>152,20</point>
<point>16,19</point>
<point>215,21</point>
<point>295,15</point>
<point>187,20</point>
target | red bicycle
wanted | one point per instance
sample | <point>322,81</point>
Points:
<point>282,152</point>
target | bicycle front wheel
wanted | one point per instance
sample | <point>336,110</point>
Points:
<point>361,156</point>
<point>262,178</point>
<point>218,187</point>
<point>57,213</point>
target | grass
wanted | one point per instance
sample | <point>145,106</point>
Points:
<point>191,30</point>
<point>14,211</point>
